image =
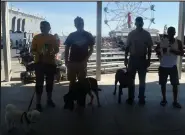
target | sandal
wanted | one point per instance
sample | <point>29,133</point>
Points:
<point>177,105</point>
<point>163,103</point>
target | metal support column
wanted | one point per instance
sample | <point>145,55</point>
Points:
<point>6,40</point>
<point>98,40</point>
<point>181,26</point>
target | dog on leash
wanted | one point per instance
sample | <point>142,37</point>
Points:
<point>15,118</point>
<point>80,90</point>
<point>122,77</point>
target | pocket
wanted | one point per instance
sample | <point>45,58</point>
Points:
<point>83,64</point>
<point>55,69</point>
<point>69,65</point>
<point>72,66</point>
<point>174,69</point>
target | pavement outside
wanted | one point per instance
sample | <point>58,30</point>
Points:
<point>110,119</point>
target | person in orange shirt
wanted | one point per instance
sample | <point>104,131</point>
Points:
<point>44,48</point>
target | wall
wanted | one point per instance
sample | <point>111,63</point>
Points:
<point>32,23</point>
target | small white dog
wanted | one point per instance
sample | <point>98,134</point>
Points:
<point>15,117</point>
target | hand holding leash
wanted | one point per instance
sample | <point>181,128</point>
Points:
<point>148,63</point>
<point>126,62</point>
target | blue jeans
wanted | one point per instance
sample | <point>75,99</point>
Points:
<point>137,64</point>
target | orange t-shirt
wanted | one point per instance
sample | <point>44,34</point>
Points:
<point>42,42</point>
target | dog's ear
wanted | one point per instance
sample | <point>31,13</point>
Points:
<point>29,115</point>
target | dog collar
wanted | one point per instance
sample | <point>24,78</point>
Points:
<point>26,118</point>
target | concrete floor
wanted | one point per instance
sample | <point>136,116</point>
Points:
<point>110,119</point>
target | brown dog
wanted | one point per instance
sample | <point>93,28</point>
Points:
<point>122,77</point>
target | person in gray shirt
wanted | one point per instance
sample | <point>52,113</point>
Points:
<point>139,46</point>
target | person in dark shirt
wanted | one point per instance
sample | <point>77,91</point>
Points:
<point>80,44</point>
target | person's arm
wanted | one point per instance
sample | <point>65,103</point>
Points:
<point>157,49</point>
<point>34,46</point>
<point>149,46</point>
<point>126,52</point>
<point>66,54</point>
<point>128,44</point>
<point>56,45</point>
<point>179,52</point>
<point>67,44</point>
<point>91,45</point>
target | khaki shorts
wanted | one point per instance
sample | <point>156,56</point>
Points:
<point>76,70</point>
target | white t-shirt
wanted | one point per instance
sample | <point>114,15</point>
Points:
<point>169,59</point>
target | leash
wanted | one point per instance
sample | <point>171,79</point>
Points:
<point>86,77</point>
<point>25,113</point>
<point>31,101</point>
<point>88,80</point>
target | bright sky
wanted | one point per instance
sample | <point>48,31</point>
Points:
<point>61,14</point>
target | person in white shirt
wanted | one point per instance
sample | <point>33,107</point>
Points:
<point>168,50</point>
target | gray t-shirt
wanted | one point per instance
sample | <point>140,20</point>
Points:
<point>138,41</point>
<point>79,43</point>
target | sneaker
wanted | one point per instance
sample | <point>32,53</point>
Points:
<point>163,103</point>
<point>39,107</point>
<point>142,101</point>
<point>176,105</point>
<point>129,101</point>
<point>50,103</point>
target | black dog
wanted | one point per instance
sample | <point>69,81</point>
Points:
<point>122,77</point>
<point>79,91</point>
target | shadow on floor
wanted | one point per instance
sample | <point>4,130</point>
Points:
<point>111,119</point>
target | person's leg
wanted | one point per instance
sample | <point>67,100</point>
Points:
<point>81,70</point>
<point>39,85</point>
<point>174,79</point>
<point>71,75</point>
<point>163,91</point>
<point>176,104</point>
<point>81,75</point>
<point>142,82</point>
<point>163,76</point>
<point>131,87</point>
<point>50,75</point>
